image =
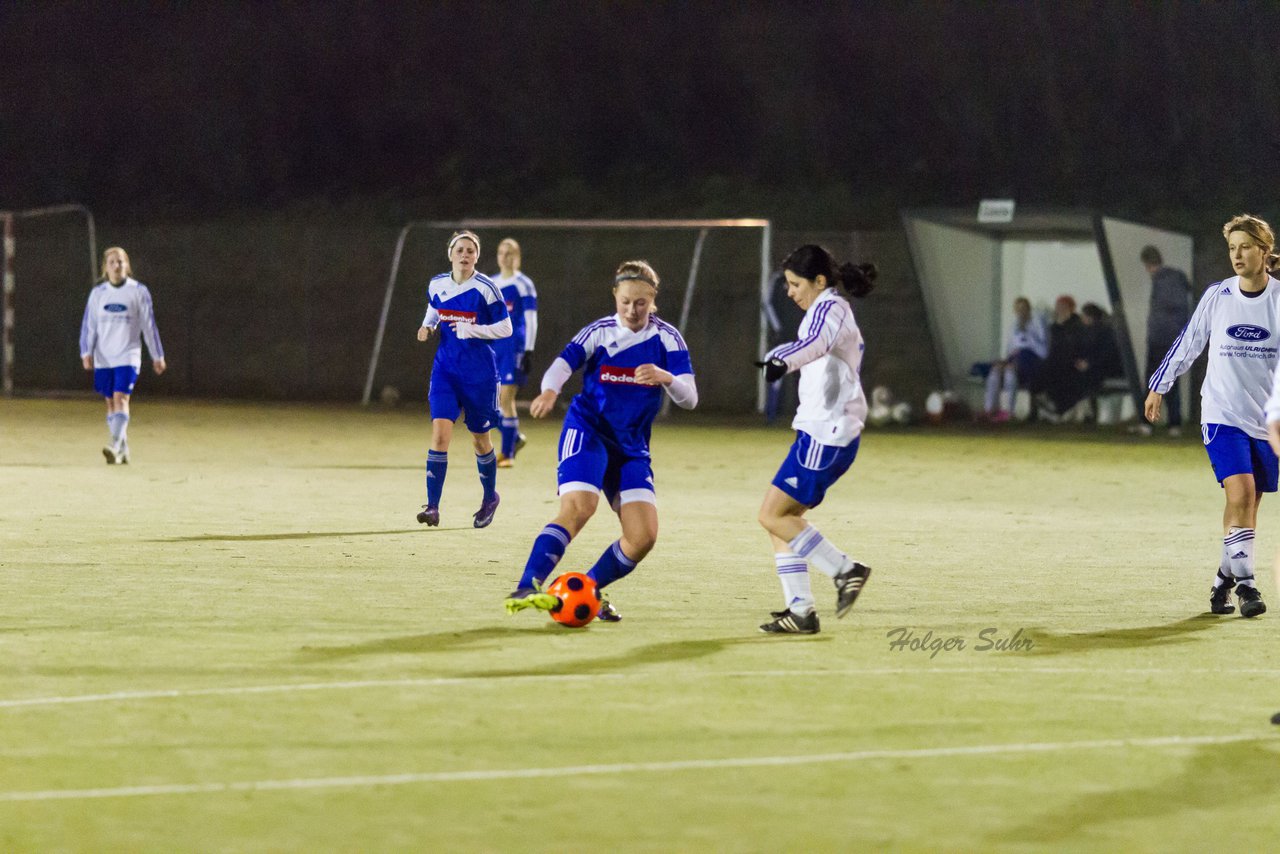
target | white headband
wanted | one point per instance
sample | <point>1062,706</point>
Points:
<point>459,236</point>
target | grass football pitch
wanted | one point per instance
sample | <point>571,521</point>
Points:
<point>244,641</point>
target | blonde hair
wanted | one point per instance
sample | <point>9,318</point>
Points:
<point>1255,227</point>
<point>637,270</point>
<point>510,241</point>
<point>124,256</point>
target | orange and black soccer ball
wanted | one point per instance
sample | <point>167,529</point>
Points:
<point>579,599</point>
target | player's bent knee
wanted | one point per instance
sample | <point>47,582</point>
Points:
<point>637,549</point>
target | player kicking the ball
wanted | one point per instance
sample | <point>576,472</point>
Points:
<point>828,423</point>
<point>628,359</point>
<point>1239,318</point>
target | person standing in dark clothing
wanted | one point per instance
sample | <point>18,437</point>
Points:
<point>1169,312</point>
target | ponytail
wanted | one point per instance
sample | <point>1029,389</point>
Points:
<point>858,280</point>
<point>811,261</point>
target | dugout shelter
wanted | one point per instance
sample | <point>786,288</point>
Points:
<point>970,272</point>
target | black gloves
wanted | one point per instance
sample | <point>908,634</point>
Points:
<point>774,369</point>
<point>526,363</point>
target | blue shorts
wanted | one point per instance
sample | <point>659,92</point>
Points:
<point>588,464</point>
<point>810,468</point>
<point>108,381</point>
<point>509,372</point>
<point>1233,451</point>
<point>449,397</point>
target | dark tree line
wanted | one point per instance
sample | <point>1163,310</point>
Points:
<point>801,110</point>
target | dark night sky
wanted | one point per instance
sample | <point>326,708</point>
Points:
<point>145,110</point>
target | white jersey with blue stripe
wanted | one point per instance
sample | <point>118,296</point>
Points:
<point>828,354</point>
<point>611,402</point>
<point>475,301</point>
<point>1033,336</point>
<point>116,320</point>
<point>521,298</point>
<point>1243,335</point>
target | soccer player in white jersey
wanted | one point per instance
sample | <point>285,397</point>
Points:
<point>828,424</point>
<point>117,317</point>
<point>1024,352</point>
<point>514,360</point>
<point>465,309</point>
<point>629,360</point>
<point>1239,318</point>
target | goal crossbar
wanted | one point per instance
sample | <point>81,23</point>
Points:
<point>766,244</point>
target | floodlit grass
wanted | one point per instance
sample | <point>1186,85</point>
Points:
<point>244,641</point>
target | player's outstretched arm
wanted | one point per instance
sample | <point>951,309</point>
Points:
<point>1152,407</point>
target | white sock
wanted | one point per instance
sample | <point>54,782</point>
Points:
<point>124,427</point>
<point>1239,545</point>
<point>115,423</point>
<point>818,550</point>
<point>1224,569</point>
<point>794,575</point>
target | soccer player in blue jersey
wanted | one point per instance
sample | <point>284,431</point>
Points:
<point>521,298</point>
<point>117,317</point>
<point>466,310</point>
<point>1239,319</point>
<point>629,360</point>
<point>828,424</point>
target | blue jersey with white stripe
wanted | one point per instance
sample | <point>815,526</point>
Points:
<point>611,402</point>
<point>474,301</point>
<point>521,298</point>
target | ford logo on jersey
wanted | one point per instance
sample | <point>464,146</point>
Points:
<point>1248,332</point>
<point>115,307</point>
<point>615,374</point>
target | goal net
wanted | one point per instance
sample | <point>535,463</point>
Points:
<point>50,260</point>
<point>714,274</point>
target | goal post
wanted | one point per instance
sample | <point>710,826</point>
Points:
<point>701,228</point>
<point>9,220</point>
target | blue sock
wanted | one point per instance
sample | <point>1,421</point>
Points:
<point>612,565</point>
<point>437,466</point>
<point>510,431</point>
<point>547,550</point>
<point>488,467</point>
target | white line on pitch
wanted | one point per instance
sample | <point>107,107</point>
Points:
<point>480,681</point>
<point>621,768</point>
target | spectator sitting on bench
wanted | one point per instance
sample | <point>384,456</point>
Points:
<point>1024,352</point>
<point>1062,382</point>
<point>1101,359</point>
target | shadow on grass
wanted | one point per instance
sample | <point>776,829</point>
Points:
<point>441,642</point>
<point>666,652</point>
<point>1216,774</point>
<point>299,535</point>
<point>1182,631</point>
